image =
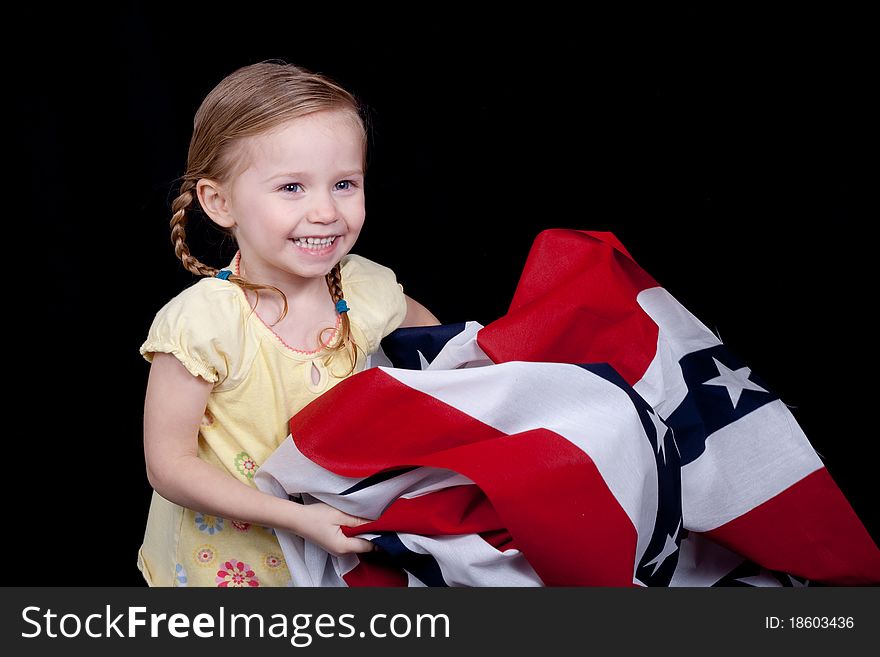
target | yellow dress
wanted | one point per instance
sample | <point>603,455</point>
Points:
<point>259,384</point>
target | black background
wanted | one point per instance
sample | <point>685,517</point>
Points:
<point>728,153</point>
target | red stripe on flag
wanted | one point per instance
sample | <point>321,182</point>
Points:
<point>454,510</point>
<point>463,509</point>
<point>555,504</point>
<point>500,539</point>
<point>576,303</point>
<point>808,530</point>
<point>371,571</point>
<point>344,432</point>
<point>547,492</point>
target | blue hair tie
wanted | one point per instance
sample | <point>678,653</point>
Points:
<point>223,274</point>
<point>341,306</point>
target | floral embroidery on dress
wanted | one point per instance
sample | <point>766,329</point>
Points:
<point>273,561</point>
<point>245,465</point>
<point>241,526</point>
<point>236,574</point>
<point>179,575</point>
<point>209,524</point>
<point>205,555</point>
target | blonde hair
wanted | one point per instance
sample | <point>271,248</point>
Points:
<point>248,102</point>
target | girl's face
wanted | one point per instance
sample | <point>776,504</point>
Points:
<point>304,183</point>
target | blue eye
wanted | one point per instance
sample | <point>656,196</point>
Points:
<point>285,187</point>
<point>351,184</point>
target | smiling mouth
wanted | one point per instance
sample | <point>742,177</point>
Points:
<point>315,243</point>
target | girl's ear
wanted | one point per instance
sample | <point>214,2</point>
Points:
<point>214,199</point>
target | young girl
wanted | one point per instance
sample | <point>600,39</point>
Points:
<point>277,160</point>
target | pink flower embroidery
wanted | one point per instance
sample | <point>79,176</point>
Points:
<point>205,555</point>
<point>273,561</point>
<point>245,465</point>
<point>241,526</point>
<point>236,574</point>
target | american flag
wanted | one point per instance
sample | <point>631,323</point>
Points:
<point>598,434</point>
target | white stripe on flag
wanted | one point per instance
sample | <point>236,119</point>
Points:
<point>593,414</point>
<point>662,385</point>
<point>745,464</point>
<point>438,480</point>
<point>293,472</point>
<point>468,560</point>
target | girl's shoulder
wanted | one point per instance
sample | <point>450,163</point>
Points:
<point>358,268</point>
<point>210,306</point>
<point>209,297</point>
<point>204,327</point>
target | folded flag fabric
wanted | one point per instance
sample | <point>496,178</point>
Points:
<point>597,434</point>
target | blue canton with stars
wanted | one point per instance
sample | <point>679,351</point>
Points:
<point>721,390</point>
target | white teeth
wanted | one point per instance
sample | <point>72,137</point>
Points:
<point>314,242</point>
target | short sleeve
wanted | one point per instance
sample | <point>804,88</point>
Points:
<point>201,327</point>
<point>375,299</point>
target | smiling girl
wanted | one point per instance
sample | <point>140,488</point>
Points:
<point>277,160</point>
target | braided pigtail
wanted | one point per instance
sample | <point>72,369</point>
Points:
<point>192,264</point>
<point>178,231</point>
<point>334,283</point>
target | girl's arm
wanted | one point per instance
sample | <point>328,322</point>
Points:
<point>174,408</point>
<point>417,314</point>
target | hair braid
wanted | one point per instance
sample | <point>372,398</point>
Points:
<point>178,231</point>
<point>192,264</point>
<point>334,284</point>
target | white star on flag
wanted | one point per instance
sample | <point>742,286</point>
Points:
<point>734,380</point>
<point>661,428</point>
<point>763,578</point>
<point>669,548</point>
<point>422,360</point>
<point>796,583</point>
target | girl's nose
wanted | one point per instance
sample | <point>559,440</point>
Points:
<point>323,210</point>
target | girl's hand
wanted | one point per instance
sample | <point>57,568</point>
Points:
<point>321,524</point>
